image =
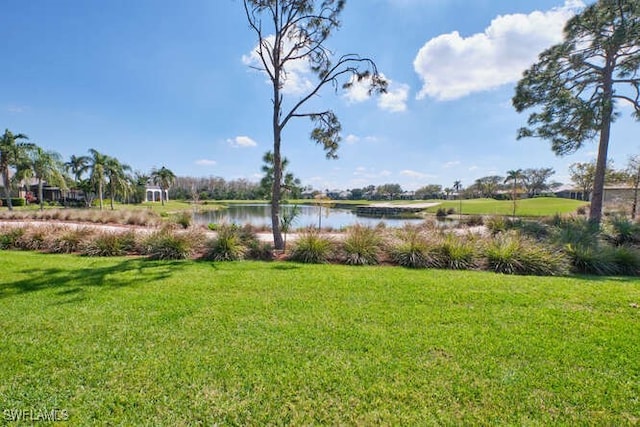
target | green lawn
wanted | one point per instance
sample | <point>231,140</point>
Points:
<point>126,341</point>
<point>541,206</point>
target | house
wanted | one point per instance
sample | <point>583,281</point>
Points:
<point>612,193</point>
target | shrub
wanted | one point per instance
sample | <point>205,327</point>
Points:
<point>622,231</point>
<point>183,219</point>
<point>362,246</point>
<point>576,232</point>
<point>497,224</point>
<point>412,249</point>
<point>110,244</point>
<point>474,220</point>
<point>37,238</point>
<point>259,251</point>
<point>627,260</point>
<point>441,213</point>
<point>592,259</point>
<point>228,245</point>
<point>581,210</point>
<point>509,254</point>
<point>456,253</point>
<point>533,229</point>
<point>451,211</point>
<point>69,240</point>
<point>312,247</point>
<point>165,245</point>
<point>9,237</point>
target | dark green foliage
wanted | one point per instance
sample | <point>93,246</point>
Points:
<point>15,201</point>
<point>228,245</point>
<point>10,236</point>
<point>167,245</point>
<point>183,219</point>
<point>592,259</point>
<point>474,220</point>
<point>627,260</point>
<point>311,247</point>
<point>110,244</point>
<point>441,213</point>
<point>510,254</point>
<point>362,246</point>
<point>622,231</point>
<point>497,224</point>
<point>456,253</point>
<point>259,251</point>
<point>577,232</point>
<point>70,240</point>
<point>413,250</point>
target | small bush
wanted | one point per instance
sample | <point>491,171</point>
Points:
<point>497,224</point>
<point>312,247</point>
<point>412,249</point>
<point>167,245</point>
<point>509,254</point>
<point>627,260</point>
<point>592,259</point>
<point>581,210</point>
<point>110,244</point>
<point>183,219</point>
<point>259,251</point>
<point>474,220</point>
<point>228,245</point>
<point>441,213</point>
<point>69,240</point>
<point>362,246</point>
<point>576,232</point>
<point>455,253</point>
<point>622,231</point>
<point>451,211</point>
<point>9,237</point>
<point>533,229</point>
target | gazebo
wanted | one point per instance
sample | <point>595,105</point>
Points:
<point>153,193</point>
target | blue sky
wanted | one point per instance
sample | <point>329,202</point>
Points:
<point>165,83</point>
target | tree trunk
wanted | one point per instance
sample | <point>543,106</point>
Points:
<point>634,206</point>
<point>278,242</point>
<point>100,194</point>
<point>595,212</point>
<point>7,188</point>
<point>41,194</point>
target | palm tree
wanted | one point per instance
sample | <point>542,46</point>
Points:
<point>116,174</point>
<point>77,165</point>
<point>12,153</point>
<point>163,178</point>
<point>97,163</point>
<point>513,176</point>
<point>457,186</point>
<point>44,166</point>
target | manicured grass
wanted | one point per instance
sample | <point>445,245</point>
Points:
<point>126,342</point>
<point>541,206</point>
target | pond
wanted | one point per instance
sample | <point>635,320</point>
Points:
<point>259,215</point>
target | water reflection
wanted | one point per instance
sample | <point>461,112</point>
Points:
<point>259,215</point>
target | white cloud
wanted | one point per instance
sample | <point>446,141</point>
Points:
<point>354,139</point>
<point>451,164</point>
<point>242,142</point>
<point>206,162</point>
<point>415,174</point>
<point>297,73</point>
<point>395,100</point>
<point>370,173</point>
<point>452,66</point>
<point>16,109</point>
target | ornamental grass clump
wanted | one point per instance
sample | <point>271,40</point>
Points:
<point>228,245</point>
<point>362,246</point>
<point>456,252</point>
<point>166,244</point>
<point>312,247</point>
<point>513,254</point>
<point>108,244</point>
<point>70,240</point>
<point>620,231</point>
<point>412,249</point>
<point>10,236</point>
